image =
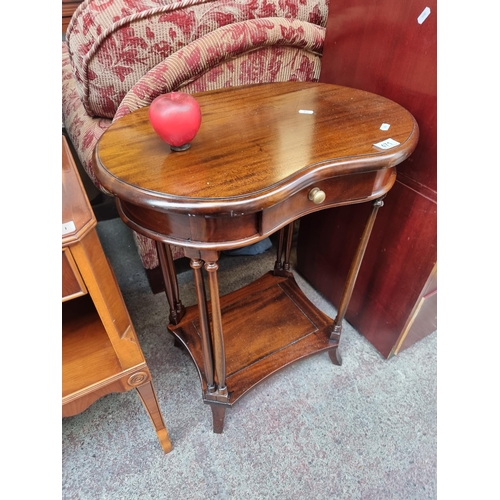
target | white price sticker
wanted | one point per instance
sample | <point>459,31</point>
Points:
<point>385,126</point>
<point>68,227</point>
<point>387,144</point>
<point>424,15</point>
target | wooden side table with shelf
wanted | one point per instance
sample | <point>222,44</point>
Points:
<point>100,350</point>
<point>265,156</point>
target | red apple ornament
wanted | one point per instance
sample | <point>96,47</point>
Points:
<point>176,118</point>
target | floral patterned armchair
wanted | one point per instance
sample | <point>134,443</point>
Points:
<point>120,54</point>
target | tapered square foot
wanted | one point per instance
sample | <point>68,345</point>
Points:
<point>335,357</point>
<point>218,414</point>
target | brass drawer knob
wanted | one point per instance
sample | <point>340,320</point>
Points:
<point>317,196</point>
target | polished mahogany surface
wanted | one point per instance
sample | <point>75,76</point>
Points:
<point>255,147</point>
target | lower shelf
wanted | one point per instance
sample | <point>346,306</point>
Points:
<point>87,354</point>
<point>90,366</point>
<point>266,325</point>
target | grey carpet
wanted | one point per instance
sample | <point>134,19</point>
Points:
<point>365,430</point>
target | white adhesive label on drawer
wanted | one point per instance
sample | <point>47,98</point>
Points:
<point>68,227</point>
<point>387,144</point>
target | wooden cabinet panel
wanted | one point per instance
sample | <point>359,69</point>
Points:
<point>72,283</point>
<point>380,46</point>
<point>423,321</point>
<point>100,350</point>
<point>399,259</point>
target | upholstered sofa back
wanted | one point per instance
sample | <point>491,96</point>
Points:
<point>112,44</point>
<point>120,54</point>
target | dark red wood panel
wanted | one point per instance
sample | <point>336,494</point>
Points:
<point>396,266</point>
<point>379,46</point>
<point>425,321</point>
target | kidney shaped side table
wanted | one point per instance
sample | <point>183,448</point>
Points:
<point>265,155</point>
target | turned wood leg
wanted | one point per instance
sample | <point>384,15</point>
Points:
<point>218,339</point>
<point>282,264</point>
<point>221,393</point>
<point>279,250</point>
<point>288,246</point>
<point>206,341</point>
<point>177,310</point>
<point>148,397</point>
<point>351,279</point>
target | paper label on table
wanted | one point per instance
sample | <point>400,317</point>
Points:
<point>387,144</point>
<point>306,111</point>
<point>68,227</point>
<point>384,126</point>
<point>425,14</point>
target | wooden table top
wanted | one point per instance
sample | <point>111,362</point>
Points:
<point>256,146</point>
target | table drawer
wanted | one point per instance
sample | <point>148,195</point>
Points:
<point>328,193</point>
<point>72,283</point>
